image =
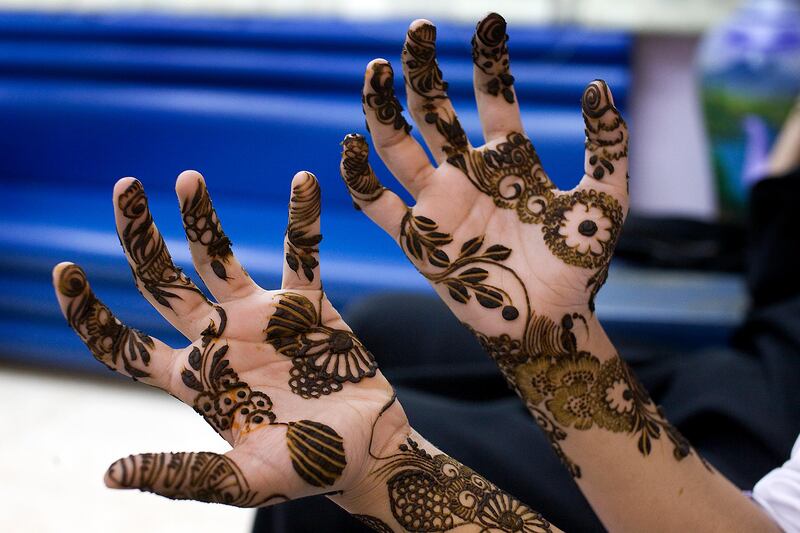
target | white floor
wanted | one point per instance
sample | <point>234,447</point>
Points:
<point>60,433</point>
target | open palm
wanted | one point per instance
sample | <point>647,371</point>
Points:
<point>278,374</point>
<point>489,230</point>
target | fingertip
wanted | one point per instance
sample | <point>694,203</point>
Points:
<point>113,477</point>
<point>123,184</point>
<point>302,177</point>
<point>378,62</point>
<point>69,280</point>
<point>597,96</point>
<point>419,23</point>
<point>187,182</point>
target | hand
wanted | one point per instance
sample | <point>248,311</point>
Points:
<point>278,374</point>
<point>516,260</point>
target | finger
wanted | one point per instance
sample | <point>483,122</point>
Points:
<point>211,248</point>
<point>402,154</point>
<point>494,85</point>
<point>426,93</point>
<point>120,348</point>
<point>159,280</point>
<point>380,204</point>
<point>606,159</point>
<point>301,244</point>
<point>201,476</point>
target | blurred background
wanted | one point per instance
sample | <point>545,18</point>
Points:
<point>249,92</point>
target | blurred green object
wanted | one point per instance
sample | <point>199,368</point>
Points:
<point>749,70</point>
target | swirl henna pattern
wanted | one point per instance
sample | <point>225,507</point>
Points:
<point>490,55</point>
<point>301,236</point>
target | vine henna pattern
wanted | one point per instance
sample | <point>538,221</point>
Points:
<point>435,493</point>
<point>152,267</point>
<point>323,358</point>
<point>382,98</point>
<point>302,235</point>
<point>490,55</point>
<point>203,227</point>
<point>110,341</point>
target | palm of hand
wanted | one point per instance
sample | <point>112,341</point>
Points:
<point>278,374</point>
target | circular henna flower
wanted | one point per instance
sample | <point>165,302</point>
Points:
<point>614,399</point>
<point>572,402</point>
<point>504,513</point>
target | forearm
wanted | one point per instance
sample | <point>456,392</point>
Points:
<point>636,470</point>
<point>416,487</point>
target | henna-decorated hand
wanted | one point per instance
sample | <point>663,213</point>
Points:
<point>278,374</point>
<point>517,260</point>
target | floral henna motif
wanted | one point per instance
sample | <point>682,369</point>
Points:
<point>202,476</point>
<point>565,387</point>
<point>152,266</point>
<point>356,172</point>
<point>202,226</point>
<point>224,400</point>
<point>383,100</point>
<point>301,236</point>
<point>490,55</point>
<point>110,341</point>
<point>323,358</point>
<point>436,493</point>
<point>606,133</point>
<point>424,77</point>
<point>512,174</point>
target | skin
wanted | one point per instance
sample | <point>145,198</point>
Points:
<point>349,440</point>
<point>634,484</point>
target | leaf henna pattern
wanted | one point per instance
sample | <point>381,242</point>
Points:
<point>317,452</point>
<point>323,358</point>
<point>111,342</point>
<point>490,55</point>
<point>152,267</point>
<point>203,476</point>
<point>356,172</point>
<point>437,493</point>
<point>301,232</point>
<point>202,226</point>
<point>424,77</point>
<point>223,398</point>
<point>383,100</point>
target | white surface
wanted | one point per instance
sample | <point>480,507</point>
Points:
<point>670,167</point>
<point>60,434</point>
<point>646,15</point>
<point>779,493</point>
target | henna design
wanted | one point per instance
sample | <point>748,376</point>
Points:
<point>302,241</point>
<point>323,358</point>
<point>606,132</point>
<point>420,239</point>
<point>376,524</point>
<point>425,78</point>
<point>383,100</point>
<point>437,493</point>
<point>202,476</point>
<point>565,387</point>
<point>490,55</point>
<point>512,174</point>
<point>356,172</point>
<point>110,341</point>
<point>223,397</point>
<point>317,452</point>
<point>203,226</point>
<point>151,263</point>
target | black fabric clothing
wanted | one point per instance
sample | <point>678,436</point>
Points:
<point>738,404</point>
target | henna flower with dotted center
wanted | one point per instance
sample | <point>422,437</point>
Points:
<point>585,229</point>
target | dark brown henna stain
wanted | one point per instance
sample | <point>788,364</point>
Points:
<point>424,77</point>
<point>421,239</point>
<point>317,452</point>
<point>223,398</point>
<point>323,358</point>
<point>356,171</point>
<point>606,132</point>
<point>382,99</point>
<point>374,523</point>
<point>490,55</point>
<point>152,266</point>
<point>111,342</point>
<point>301,233</point>
<point>202,476</point>
<point>203,227</point>
<point>437,493</point>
